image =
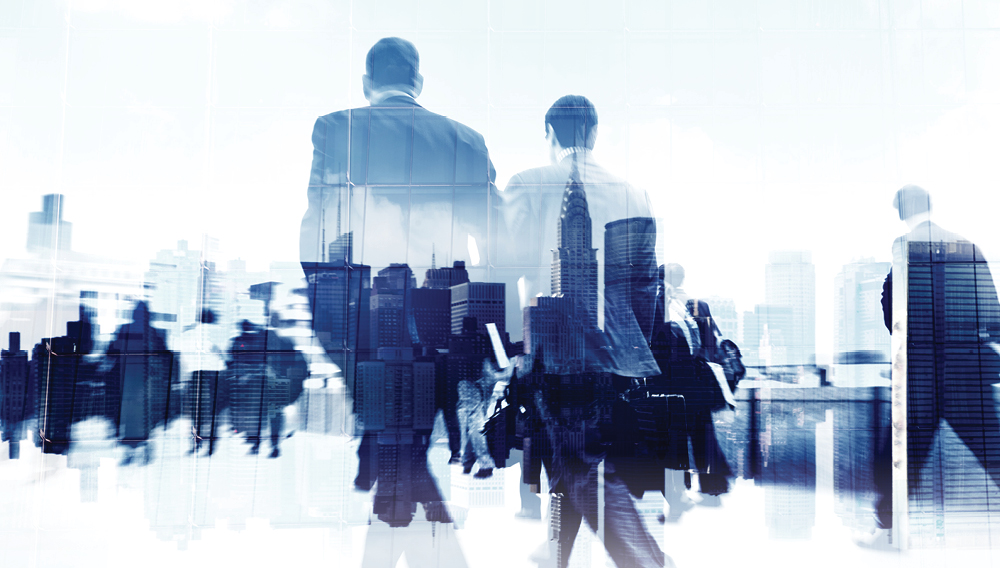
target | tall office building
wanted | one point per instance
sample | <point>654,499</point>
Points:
<point>951,303</point>
<point>340,297</point>
<point>431,310</point>
<point>765,335</point>
<point>46,229</point>
<point>445,278</point>
<point>389,313</point>
<point>551,329</point>
<point>574,262</point>
<point>62,367</point>
<point>790,280</point>
<point>182,282</point>
<point>16,395</point>
<point>857,304</point>
<point>481,300</point>
<point>725,316</point>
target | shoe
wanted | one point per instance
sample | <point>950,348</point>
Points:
<point>456,458</point>
<point>876,539</point>
<point>484,472</point>
<point>467,468</point>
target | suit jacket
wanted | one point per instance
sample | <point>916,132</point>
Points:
<point>953,316</point>
<point>626,292</point>
<point>394,182</point>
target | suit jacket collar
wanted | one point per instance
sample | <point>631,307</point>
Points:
<point>400,100</point>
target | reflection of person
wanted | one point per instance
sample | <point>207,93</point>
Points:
<point>952,316</point>
<point>202,363</point>
<point>555,217</point>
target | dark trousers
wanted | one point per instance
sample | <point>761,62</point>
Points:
<point>713,469</point>
<point>625,536</point>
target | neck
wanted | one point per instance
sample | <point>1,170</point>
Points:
<point>379,95</point>
<point>914,220</point>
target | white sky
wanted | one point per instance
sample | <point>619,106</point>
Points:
<point>755,126</point>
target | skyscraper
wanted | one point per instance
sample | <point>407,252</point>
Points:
<point>724,314</point>
<point>790,280</point>
<point>340,298</point>
<point>16,396</point>
<point>551,329</point>
<point>766,333</point>
<point>481,300</point>
<point>858,321</point>
<point>46,228</point>
<point>445,278</point>
<point>574,262</point>
<point>389,317</point>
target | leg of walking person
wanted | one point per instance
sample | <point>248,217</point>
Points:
<point>625,536</point>
<point>713,469</point>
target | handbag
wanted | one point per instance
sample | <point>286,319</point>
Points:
<point>500,430</point>
<point>731,360</point>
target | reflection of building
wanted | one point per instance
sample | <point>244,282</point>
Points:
<point>790,280</point>
<point>69,389</point>
<point>481,300</point>
<point>574,261</point>
<point>389,326</point>
<point>340,297</point>
<point>788,466</point>
<point>765,335</point>
<point>724,313</point>
<point>952,431</point>
<point>858,321</point>
<point>445,278</point>
<point>46,229</point>
<point>856,423</point>
<point>181,282</point>
<point>550,328</point>
<point>431,316</point>
<point>16,394</point>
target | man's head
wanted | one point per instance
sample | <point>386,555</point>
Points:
<point>392,63</point>
<point>673,275</point>
<point>911,200</point>
<point>571,121</point>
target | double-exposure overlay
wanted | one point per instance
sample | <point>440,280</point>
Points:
<point>567,284</point>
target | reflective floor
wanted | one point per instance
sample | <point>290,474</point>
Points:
<point>804,491</point>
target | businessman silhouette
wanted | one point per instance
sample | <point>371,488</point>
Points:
<point>390,183</point>
<point>952,327</point>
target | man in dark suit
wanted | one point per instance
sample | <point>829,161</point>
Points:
<point>390,183</point>
<point>952,323</point>
<point>393,183</point>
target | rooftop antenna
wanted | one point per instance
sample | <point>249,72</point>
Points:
<point>322,222</point>
<point>433,264</point>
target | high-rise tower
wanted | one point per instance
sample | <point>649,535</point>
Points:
<point>790,280</point>
<point>574,262</point>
